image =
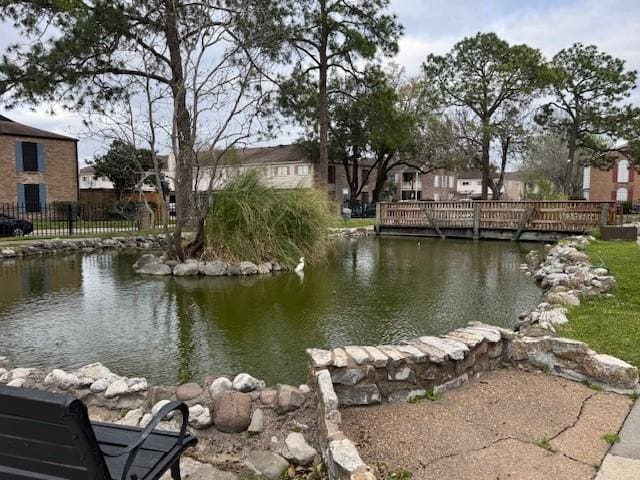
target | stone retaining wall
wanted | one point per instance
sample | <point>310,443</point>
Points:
<point>42,247</point>
<point>363,375</point>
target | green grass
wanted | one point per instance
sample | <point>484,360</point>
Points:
<point>431,395</point>
<point>353,222</point>
<point>612,325</point>
<point>251,221</point>
<point>611,438</point>
<point>544,443</point>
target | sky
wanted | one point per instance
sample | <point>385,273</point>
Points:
<point>434,26</point>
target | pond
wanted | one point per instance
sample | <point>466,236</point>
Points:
<point>69,310</point>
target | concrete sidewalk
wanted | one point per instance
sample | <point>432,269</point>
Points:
<point>508,425</point>
<point>623,460</point>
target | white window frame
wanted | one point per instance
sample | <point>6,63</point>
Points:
<point>280,169</point>
<point>623,171</point>
<point>622,194</point>
<point>302,170</point>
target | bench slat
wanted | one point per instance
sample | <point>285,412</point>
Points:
<point>43,451</point>
<point>44,468</point>
<point>28,428</point>
<point>115,435</point>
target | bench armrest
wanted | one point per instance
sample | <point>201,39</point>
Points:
<point>132,449</point>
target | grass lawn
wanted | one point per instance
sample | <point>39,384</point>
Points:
<point>612,325</point>
<point>353,222</point>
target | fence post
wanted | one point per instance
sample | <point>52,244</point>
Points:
<point>476,220</point>
<point>604,214</point>
<point>70,218</point>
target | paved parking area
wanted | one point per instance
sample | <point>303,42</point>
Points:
<point>508,424</point>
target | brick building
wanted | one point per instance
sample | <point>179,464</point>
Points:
<point>36,166</point>
<point>621,182</point>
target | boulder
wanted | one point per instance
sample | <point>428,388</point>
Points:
<point>61,379</point>
<point>144,260</point>
<point>264,268</point>
<point>218,386</point>
<point>194,470</point>
<point>243,382</point>
<point>7,252</point>
<point>199,416</point>
<point>248,268</point>
<point>257,421</point>
<point>289,399</point>
<point>118,387</point>
<point>102,384</point>
<point>156,408</point>
<point>297,450</point>
<point>213,269</point>
<point>95,371</point>
<point>137,384</point>
<point>232,411</point>
<point>611,371</point>
<point>16,374</point>
<point>367,394</point>
<point>187,269</point>
<point>267,463</point>
<point>233,269</point>
<point>132,418</point>
<point>188,391</point>
<point>563,298</point>
<point>17,382</point>
<point>157,393</point>
<point>268,396</point>
<point>155,269</point>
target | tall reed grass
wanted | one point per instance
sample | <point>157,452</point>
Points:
<point>251,221</point>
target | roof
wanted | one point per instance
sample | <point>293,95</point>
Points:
<point>477,175</point>
<point>293,153</point>
<point>13,128</point>
<point>88,170</point>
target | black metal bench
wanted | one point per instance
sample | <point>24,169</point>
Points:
<point>47,436</point>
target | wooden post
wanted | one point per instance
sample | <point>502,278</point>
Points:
<point>526,215</point>
<point>433,222</point>
<point>476,220</point>
<point>604,214</point>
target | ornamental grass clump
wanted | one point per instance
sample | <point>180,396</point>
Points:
<point>250,221</point>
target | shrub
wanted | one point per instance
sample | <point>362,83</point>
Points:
<point>250,221</point>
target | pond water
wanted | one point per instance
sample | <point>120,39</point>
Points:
<point>69,310</point>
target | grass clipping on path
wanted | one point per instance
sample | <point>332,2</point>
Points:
<point>612,325</point>
<point>250,221</point>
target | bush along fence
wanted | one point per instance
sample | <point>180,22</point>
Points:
<point>73,218</point>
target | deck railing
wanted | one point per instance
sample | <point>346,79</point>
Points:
<point>541,216</point>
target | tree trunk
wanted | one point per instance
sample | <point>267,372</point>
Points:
<point>182,131</point>
<point>486,159</point>
<point>323,103</point>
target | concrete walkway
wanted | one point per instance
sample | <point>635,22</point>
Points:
<point>623,460</point>
<point>507,425</point>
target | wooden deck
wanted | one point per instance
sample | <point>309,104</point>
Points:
<point>528,220</point>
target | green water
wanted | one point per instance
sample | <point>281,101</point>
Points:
<point>66,311</point>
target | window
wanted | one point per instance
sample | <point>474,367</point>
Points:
<point>302,170</point>
<point>436,181</point>
<point>622,194</point>
<point>623,171</point>
<point>452,181</point>
<point>408,177</point>
<point>411,195</point>
<point>436,197</point>
<point>331,174</point>
<point>29,157</point>
<point>32,197</point>
<point>365,198</point>
<point>282,171</point>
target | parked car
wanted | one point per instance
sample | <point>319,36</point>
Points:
<point>14,227</point>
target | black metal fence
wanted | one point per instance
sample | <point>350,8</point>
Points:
<point>73,218</point>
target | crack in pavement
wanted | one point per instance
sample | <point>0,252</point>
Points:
<point>575,422</point>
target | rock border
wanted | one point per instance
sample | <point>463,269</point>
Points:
<point>149,264</point>
<point>85,245</point>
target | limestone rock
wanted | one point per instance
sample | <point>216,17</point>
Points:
<point>61,379</point>
<point>156,393</point>
<point>155,269</point>
<point>118,387</point>
<point>199,416</point>
<point>132,418</point>
<point>297,450</point>
<point>289,399</point>
<point>213,269</point>
<point>268,396</point>
<point>101,385</point>
<point>563,298</point>
<point>187,269</point>
<point>16,374</point>
<point>218,386</point>
<point>304,388</point>
<point>136,384</point>
<point>257,421</point>
<point>320,358</point>
<point>265,267</point>
<point>611,371</point>
<point>367,394</point>
<point>248,268</point>
<point>144,260</point>
<point>188,391</point>
<point>232,411</point>
<point>267,463</point>
<point>327,393</point>
<point>243,382</point>
<point>350,376</point>
<point>156,408</point>
<point>95,371</point>
<point>345,455</point>
<point>17,382</point>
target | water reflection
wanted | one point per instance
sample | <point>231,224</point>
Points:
<point>69,310</point>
